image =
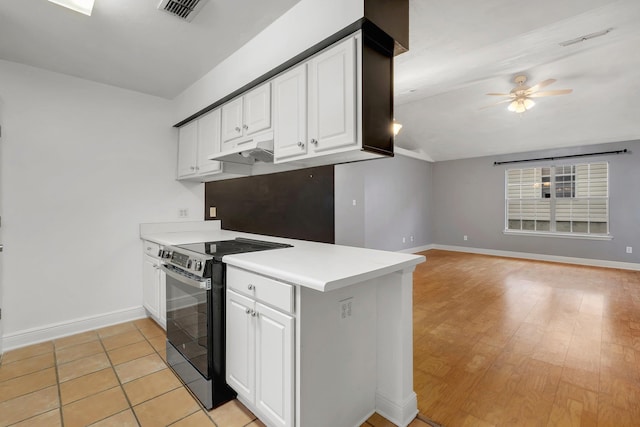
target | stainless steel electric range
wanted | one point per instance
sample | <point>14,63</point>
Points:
<point>196,313</point>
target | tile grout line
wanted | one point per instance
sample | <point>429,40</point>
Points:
<point>113,368</point>
<point>179,380</point>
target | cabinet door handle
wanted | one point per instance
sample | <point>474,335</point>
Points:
<point>148,248</point>
<point>237,129</point>
<point>254,313</point>
<point>245,127</point>
<point>248,311</point>
<point>192,168</point>
<point>300,144</point>
<point>314,141</point>
<point>250,287</point>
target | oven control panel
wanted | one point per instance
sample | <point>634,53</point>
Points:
<point>186,262</point>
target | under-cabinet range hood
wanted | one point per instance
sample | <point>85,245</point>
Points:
<point>260,148</point>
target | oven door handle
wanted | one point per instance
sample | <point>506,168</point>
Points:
<point>201,284</point>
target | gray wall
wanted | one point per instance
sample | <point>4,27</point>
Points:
<point>468,199</point>
<point>392,201</point>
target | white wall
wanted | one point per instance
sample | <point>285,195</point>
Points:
<point>305,24</point>
<point>82,165</point>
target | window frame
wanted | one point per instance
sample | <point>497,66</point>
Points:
<point>553,199</point>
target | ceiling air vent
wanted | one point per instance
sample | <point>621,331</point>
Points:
<point>183,9</point>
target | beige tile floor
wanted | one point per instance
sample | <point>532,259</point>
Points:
<point>115,376</point>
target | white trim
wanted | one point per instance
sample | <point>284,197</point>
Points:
<point>556,234</point>
<point>63,329</point>
<point>399,415</point>
<point>416,249</point>
<point>419,155</point>
<point>542,257</point>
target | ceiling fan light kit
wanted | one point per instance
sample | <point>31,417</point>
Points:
<point>521,105</point>
<point>519,97</point>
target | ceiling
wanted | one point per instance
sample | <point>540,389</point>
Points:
<point>130,43</point>
<point>459,51</point>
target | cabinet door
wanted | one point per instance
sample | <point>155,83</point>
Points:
<point>274,365</point>
<point>151,285</point>
<point>240,348</point>
<point>290,114</point>
<point>257,110</point>
<point>332,97</point>
<point>208,142</point>
<point>187,149</point>
<point>231,123</point>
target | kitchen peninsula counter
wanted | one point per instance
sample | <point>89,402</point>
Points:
<point>319,266</point>
<point>345,367</point>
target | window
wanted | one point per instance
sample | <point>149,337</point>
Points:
<point>568,199</point>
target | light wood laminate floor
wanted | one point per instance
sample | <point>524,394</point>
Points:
<point>508,342</point>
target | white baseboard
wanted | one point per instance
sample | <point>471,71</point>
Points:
<point>542,257</point>
<point>417,249</point>
<point>63,329</point>
<point>400,415</point>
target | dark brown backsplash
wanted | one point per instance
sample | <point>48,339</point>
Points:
<point>296,204</point>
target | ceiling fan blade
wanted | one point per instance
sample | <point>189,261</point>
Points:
<point>501,94</point>
<point>550,93</point>
<point>540,85</point>
<point>496,103</point>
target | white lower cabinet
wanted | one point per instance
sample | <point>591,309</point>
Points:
<point>153,285</point>
<point>260,345</point>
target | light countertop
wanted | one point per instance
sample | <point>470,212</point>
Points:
<point>318,266</point>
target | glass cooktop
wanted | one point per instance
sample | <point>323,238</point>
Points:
<point>236,246</point>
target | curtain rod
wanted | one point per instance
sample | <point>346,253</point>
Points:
<point>561,157</point>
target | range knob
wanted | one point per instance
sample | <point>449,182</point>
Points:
<point>198,266</point>
<point>167,254</point>
<point>189,263</point>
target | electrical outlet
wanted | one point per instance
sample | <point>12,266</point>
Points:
<point>465,237</point>
<point>183,213</point>
<point>346,308</point>
<point>213,212</point>
<point>629,249</point>
<point>354,202</point>
<point>411,238</point>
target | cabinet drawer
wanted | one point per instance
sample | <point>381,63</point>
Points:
<point>151,248</point>
<point>264,289</point>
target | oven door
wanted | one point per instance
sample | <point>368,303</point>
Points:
<point>188,326</point>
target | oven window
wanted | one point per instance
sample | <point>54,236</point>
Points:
<point>187,327</point>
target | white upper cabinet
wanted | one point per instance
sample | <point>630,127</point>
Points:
<point>208,142</point>
<point>290,113</point>
<point>198,140</point>
<point>246,116</point>
<point>257,110</point>
<point>231,121</point>
<point>315,105</point>
<point>187,150</point>
<point>332,97</point>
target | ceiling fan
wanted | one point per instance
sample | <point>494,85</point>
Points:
<point>520,96</point>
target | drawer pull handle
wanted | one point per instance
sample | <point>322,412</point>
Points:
<point>250,287</point>
<point>314,141</point>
